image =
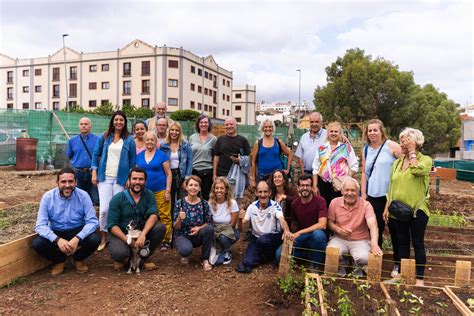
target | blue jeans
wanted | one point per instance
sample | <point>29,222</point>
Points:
<point>315,240</point>
<point>84,182</point>
<point>226,242</point>
<point>261,248</point>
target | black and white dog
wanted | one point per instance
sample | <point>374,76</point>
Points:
<point>132,234</point>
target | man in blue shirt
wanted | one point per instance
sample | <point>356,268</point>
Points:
<point>79,151</point>
<point>66,224</point>
<point>310,142</point>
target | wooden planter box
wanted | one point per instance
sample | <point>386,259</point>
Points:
<point>459,297</point>
<point>18,258</point>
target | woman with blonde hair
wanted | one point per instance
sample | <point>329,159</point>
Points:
<point>333,161</point>
<point>180,157</point>
<point>225,214</point>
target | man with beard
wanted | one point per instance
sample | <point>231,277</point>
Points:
<point>351,218</point>
<point>308,222</point>
<point>267,220</point>
<point>66,225</point>
<point>134,204</point>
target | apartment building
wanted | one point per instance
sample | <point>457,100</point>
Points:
<point>243,104</point>
<point>139,74</point>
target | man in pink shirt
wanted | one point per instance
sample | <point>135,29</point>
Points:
<point>351,218</point>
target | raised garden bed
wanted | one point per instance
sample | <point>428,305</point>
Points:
<point>464,297</point>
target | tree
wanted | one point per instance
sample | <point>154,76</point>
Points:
<point>360,88</point>
<point>185,115</point>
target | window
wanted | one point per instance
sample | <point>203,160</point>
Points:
<point>92,103</point>
<point>193,87</point>
<point>206,74</point>
<point>200,72</point>
<point>92,85</point>
<point>73,90</point>
<point>223,96</point>
<point>228,112</point>
<point>228,83</point>
<point>127,69</point>
<point>56,91</point>
<point>146,67</point>
<point>105,85</point>
<point>92,68</point>
<point>55,106</point>
<point>73,73</point>
<point>9,105</point>
<point>238,108</point>
<point>26,106</point>
<point>9,93</point>
<point>145,86</point>
<point>72,104</point>
<point>56,74</point>
<point>228,98</point>
<point>146,103</point>
<point>26,73</point>
<point>238,95</point>
<point>127,102</point>
<point>38,105</point>
<point>9,76</point>
<point>26,89</point>
<point>199,106</point>
<point>192,105</point>
<point>172,101</point>
<point>172,83</point>
<point>127,88</point>
<point>105,67</point>
<point>205,91</point>
<point>223,82</point>
<point>37,72</point>
<point>173,64</point>
<point>193,69</point>
<point>199,89</point>
<point>205,107</point>
<point>37,88</point>
<point>214,97</point>
<point>104,102</point>
<point>238,119</point>
<point>223,112</point>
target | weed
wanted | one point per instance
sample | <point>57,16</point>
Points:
<point>437,218</point>
<point>13,282</point>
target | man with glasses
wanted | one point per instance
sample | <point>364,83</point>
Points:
<point>308,222</point>
<point>160,110</point>
<point>310,142</point>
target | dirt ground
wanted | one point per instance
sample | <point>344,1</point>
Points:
<point>172,289</point>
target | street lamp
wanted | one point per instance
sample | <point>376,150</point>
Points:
<point>65,71</point>
<point>299,97</point>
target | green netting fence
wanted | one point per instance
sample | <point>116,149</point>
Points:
<point>52,142</point>
<point>464,168</point>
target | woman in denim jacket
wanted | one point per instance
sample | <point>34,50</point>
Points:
<point>180,156</point>
<point>114,156</point>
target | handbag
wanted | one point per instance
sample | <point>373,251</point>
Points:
<point>402,211</point>
<point>337,182</point>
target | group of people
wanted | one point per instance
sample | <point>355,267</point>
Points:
<point>188,194</point>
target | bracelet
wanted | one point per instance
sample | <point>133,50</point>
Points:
<point>412,156</point>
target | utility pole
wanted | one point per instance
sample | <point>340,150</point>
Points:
<point>65,71</point>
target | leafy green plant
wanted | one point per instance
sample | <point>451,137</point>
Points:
<point>363,289</point>
<point>293,282</point>
<point>344,303</point>
<point>410,298</point>
<point>437,218</point>
<point>470,303</point>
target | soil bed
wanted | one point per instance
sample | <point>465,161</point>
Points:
<point>409,298</point>
<point>464,294</point>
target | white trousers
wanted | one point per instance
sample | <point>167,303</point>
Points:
<point>358,249</point>
<point>107,190</point>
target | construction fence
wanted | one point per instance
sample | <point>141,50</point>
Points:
<point>52,142</point>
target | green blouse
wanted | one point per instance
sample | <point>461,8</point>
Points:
<point>410,186</point>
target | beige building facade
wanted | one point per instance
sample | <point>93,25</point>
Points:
<point>139,74</point>
<point>243,104</point>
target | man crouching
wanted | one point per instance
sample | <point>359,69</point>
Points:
<point>134,204</point>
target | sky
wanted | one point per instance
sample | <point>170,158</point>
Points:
<point>262,42</point>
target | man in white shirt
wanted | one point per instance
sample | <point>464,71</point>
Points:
<point>267,219</point>
<point>310,141</point>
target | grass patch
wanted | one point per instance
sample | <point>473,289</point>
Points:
<point>453,220</point>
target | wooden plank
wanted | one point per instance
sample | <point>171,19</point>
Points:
<point>331,264</point>
<point>391,304</point>
<point>287,249</point>
<point>457,302</point>
<point>374,272</point>
<point>18,259</point>
<point>408,271</point>
<point>462,277</point>
<point>322,304</point>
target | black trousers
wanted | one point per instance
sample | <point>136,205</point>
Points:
<point>206,181</point>
<point>50,251</point>
<point>413,231</point>
<point>327,191</point>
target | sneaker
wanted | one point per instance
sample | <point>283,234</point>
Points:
<point>213,256</point>
<point>227,257</point>
<point>357,273</point>
<point>241,268</point>
<point>395,273</point>
<point>149,266</point>
<point>342,272</point>
<point>81,267</point>
<point>58,268</point>
<point>184,260</point>
<point>118,266</point>
<point>165,246</point>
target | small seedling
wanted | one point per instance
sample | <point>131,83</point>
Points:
<point>470,303</point>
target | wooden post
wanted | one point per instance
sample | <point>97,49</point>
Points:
<point>391,307</point>
<point>286,250</point>
<point>408,271</point>
<point>331,264</point>
<point>462,276</point>
<point>374,272</point>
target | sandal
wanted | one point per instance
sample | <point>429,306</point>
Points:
<point>206,265</point>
